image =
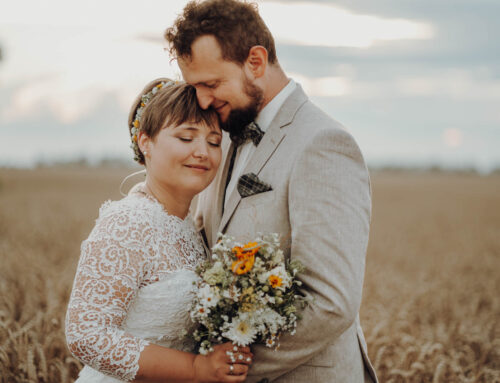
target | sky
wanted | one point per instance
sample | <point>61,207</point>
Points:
<point>417,83</point>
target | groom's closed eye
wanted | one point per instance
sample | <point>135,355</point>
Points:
<point>210,85</point>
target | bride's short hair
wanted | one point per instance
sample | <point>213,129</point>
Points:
<point>172,105</point>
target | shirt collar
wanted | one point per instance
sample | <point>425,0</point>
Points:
<point>267,114</point>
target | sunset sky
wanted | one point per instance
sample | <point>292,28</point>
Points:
<point>416,82</point>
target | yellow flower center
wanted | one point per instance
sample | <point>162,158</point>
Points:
<point>243,327</point>
<point>275,281</point>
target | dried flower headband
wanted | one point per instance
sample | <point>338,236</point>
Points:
<point>136,125</point>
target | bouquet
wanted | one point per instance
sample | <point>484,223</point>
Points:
<point>246,293</point>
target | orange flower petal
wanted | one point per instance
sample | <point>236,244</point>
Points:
<point>243,266</point>
<point>275,281</point>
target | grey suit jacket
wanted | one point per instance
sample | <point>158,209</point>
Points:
<point>320,205</point>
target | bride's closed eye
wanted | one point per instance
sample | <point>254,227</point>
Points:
<point>189,139</point>
<point>214,144</point>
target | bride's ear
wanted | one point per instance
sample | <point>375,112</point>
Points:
<point>144,142</point>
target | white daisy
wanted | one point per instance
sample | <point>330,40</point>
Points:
<point>241,330</point>
<point>208,296</point>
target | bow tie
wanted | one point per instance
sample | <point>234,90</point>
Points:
<point>250,132</point>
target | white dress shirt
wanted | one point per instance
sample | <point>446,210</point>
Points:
<point>264,119</point>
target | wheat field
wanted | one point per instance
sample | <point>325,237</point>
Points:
<point>431,303</point>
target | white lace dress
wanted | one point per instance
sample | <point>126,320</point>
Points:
<point>133,286</point>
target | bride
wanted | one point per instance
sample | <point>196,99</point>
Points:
<point>129,307</point>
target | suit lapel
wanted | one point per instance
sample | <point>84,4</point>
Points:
<point>271,140</point>
<point>267,146</point>
<point>227,148</point>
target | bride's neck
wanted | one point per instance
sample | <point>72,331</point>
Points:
<point>174,202</point>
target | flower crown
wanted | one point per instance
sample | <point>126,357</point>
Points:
<point>136,124</point>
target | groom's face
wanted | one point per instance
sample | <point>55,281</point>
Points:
<point>220,84</point>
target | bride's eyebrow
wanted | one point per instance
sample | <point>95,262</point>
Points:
<point>195,129</point>
<point>192,128</point>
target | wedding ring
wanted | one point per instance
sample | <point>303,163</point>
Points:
<point>231,356</point>
<point>231,369</point>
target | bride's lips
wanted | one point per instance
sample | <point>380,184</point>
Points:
<point>199,168</point>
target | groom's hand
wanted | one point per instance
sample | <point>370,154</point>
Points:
<point>227,363</point>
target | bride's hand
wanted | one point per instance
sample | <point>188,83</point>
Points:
<point>227,363</point>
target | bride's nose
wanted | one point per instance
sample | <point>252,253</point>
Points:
<point>201,149</point>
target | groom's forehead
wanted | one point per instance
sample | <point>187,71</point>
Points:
<point>204,64</point>
<point>195,72</point>
<point>206,47</point>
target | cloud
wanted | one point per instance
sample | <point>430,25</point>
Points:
<point>398,73</point>
<point>453,138</point>
<point>102,132</point>
<point>323,86</point>
<point>332,26</point>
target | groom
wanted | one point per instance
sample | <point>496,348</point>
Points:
<point>296,172</point>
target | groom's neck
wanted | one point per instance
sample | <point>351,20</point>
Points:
<point>273,82</point>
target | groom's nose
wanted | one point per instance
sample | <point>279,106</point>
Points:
<point>205,98</point>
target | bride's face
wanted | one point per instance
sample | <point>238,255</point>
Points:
<point>184,159</point>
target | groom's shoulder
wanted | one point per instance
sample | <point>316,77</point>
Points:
<point>311,121</point>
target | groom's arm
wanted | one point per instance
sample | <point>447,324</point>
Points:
<point>329,209</point>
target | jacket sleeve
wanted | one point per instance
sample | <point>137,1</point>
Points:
<point>329,211</point>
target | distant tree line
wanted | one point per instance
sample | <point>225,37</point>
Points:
<point>123,162</point>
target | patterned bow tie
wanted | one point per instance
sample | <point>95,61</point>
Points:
<point>250,132</point>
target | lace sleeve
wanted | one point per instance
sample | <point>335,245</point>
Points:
<point>110,271</point>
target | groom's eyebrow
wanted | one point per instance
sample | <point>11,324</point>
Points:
<point>205,83</point>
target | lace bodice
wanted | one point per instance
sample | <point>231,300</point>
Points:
<point>133,285</point>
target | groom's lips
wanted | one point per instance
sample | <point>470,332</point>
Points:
<point>219,108</point>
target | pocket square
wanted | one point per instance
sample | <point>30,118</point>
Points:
<point>249,184</point>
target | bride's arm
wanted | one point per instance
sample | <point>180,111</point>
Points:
<point>112,267</point>
<point>161,364</point>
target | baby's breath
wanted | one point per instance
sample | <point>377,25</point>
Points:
<point>247,293</point>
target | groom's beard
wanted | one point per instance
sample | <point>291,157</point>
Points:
<point>239,118</point>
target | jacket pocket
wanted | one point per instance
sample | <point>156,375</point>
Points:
<point>257,199</point>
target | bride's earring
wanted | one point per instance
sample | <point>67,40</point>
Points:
<point>145,153</point>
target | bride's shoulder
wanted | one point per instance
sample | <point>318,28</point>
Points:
<point>129,219</point>
<point>133,207</point>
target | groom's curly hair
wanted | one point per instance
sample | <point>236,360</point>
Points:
<point>236,25</point>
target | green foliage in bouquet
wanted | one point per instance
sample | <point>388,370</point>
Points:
<point>246,294</point>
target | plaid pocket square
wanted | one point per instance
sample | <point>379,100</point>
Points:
<point>249,184</point>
